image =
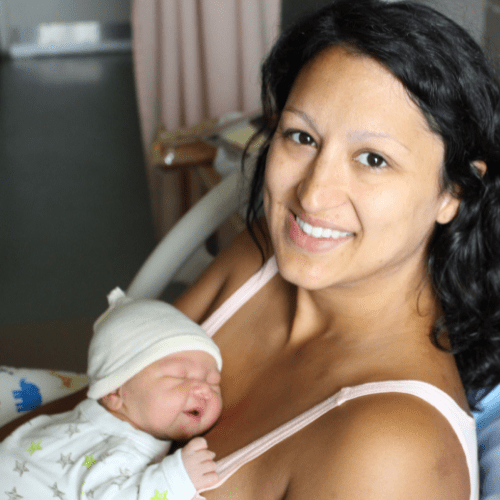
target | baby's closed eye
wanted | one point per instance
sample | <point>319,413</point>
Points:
<point>213,378</point>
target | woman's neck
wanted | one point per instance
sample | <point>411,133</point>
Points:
<point>394,308</point>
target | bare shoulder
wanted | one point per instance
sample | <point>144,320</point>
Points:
<point>229,270</point>
<point>383,447</point>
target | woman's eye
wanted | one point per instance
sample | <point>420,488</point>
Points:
<point>372,160</point>
<point>300,137</point>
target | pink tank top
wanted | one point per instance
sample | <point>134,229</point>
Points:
<point>462,423</point>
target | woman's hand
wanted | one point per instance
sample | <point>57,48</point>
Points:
<point>199,463</point>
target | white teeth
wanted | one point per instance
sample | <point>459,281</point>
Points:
<point>319,232</point>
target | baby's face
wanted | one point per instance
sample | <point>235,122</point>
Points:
<point>175,397</point>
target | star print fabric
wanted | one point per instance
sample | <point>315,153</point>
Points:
<point>89,453</point>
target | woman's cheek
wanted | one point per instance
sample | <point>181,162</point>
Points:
<point>268,188</point>
<point>385,203</point>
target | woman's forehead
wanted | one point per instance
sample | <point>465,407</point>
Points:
<point>346,72</point>
<point>341,82</point>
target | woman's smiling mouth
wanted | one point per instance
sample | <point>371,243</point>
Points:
<point>320,232</point>
<point>314,239</point>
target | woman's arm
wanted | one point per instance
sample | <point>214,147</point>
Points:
<point>384,447</point>
<point>231,268</point>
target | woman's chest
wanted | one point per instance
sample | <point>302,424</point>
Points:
<point>266,384</point>
<point>266,381</point>
<point>269,466</point>
<point>258,464</point>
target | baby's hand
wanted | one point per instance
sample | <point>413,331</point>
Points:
<point>199,463</point>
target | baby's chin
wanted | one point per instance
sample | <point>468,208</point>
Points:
<point>188,427</point>
<point>179,435</point>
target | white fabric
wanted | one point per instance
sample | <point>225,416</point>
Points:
<point>89,433</point>
<point>24,389</point>
<point>132,334</point>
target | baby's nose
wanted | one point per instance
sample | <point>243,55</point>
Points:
<point>201,389</point>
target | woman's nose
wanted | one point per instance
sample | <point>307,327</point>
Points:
<point>324,186</point>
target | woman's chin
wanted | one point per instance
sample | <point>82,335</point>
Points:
<point>304,271</point>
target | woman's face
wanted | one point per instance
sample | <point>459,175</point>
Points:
<point>351,189</point>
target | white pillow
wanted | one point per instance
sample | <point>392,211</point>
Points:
<point>23,389</point>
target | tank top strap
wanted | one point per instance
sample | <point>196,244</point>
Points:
<point>240,296</point>
<point>227,466</point>
<point>463,425</point>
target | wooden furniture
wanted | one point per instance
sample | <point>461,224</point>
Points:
<point>183,165</point>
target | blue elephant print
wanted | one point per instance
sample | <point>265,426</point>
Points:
<point>29,395</point>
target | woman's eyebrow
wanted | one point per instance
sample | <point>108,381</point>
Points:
<point>365,134</point>
<point>303,115</point>
<point>354,136</point>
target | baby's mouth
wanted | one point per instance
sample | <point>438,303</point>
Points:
<point>195,413</point>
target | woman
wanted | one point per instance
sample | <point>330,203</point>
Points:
<point>376,306</point>
<point>380,187</point>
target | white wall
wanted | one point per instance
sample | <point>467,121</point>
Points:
<point>26,14</point>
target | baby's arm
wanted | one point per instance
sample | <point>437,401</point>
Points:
<point>176,477</point>
<point>199,463</point>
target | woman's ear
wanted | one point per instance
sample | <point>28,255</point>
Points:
<point>448,209</point>
<point>112,401</point>
<point>451,203</point>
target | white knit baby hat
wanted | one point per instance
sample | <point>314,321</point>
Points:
<point>132,334</point>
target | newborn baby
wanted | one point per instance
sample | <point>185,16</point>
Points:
<point>154,377</point>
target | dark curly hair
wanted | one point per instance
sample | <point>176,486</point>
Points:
<point>448,76</point>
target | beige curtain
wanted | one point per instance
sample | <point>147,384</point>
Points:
<point>198,59</point>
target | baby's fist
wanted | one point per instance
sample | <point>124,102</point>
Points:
<point>199,463</point>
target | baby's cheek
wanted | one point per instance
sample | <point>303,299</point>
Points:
<point>216,407</point>
<point>219,404</point>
